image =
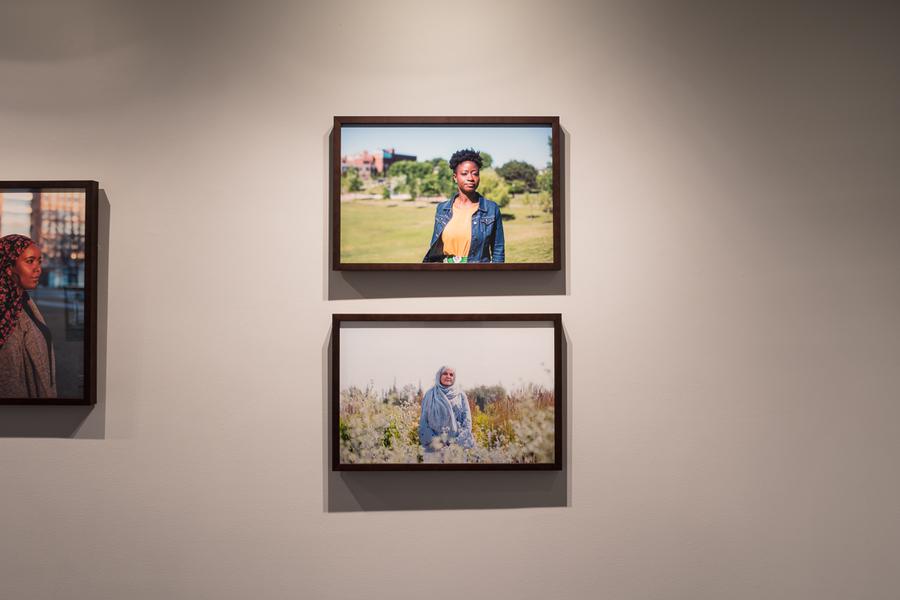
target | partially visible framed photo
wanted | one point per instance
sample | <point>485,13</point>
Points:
<point>48,292</point>
<point>446,193</point>
<point>446,392</point>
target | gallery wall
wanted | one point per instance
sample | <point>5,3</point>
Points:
<point>730,297</point>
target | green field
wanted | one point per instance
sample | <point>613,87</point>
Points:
<point>397,231</point>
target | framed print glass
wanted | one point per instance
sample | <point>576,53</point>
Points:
<point>48,292</point>
<point>446,193</point>
<point>459,392</point>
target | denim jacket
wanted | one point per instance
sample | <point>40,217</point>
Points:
<point>487,232</point>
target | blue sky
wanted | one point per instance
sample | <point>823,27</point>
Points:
<point>526,143</point>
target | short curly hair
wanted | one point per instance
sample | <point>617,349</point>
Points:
<point>461,156</point>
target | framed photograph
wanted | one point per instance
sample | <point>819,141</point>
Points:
<point>48,292</point>
<point>446,392</point>
<point>446,193</point>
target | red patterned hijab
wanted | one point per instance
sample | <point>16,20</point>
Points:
<point>12,295</point>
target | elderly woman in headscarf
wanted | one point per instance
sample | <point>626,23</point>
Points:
<point>446,418</point>
<point>27,363</point>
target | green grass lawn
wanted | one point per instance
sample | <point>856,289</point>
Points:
<point>391,231</point>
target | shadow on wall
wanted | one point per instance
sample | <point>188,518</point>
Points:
<point>349,491</point>
<point>83,422</point>
<point>364,491</point>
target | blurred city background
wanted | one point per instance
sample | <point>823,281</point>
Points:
<point>55,220</point>
<point>392,178</point>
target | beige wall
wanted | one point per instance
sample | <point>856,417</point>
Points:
<point>731,302</point>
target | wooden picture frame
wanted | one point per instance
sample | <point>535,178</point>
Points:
<point>396,181</point>
<point>49,356</point>
<point>510,374</point>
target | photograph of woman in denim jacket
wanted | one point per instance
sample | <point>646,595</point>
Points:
<point>468,228</point>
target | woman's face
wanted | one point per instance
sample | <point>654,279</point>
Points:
<point>466,176</point>
<point>448,376</point>
<point>27,268</point>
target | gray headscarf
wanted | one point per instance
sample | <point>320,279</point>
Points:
<point>437,409</point>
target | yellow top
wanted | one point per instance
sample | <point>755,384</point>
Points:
<point>457,235</point>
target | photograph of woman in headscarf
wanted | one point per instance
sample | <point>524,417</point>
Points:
<point>446,418</point>
<point>397,410</point>
<point>27,361</point>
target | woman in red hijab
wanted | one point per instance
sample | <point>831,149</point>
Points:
<point>27,363</point>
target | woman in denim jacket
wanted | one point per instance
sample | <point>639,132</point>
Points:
<point>468,228</point>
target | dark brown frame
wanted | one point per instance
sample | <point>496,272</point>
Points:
<point>335,193</point>
<point>559,406</point>
<point>91,237</point>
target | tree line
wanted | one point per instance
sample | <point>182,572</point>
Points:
<point>432,178</point>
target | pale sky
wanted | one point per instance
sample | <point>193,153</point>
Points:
<point>482,355</point>
<point>525,142</point>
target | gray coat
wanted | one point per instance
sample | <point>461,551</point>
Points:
<point>27,366</point>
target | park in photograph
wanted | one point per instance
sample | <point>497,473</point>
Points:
<point>446,192</point>
<point>47,292</point>
<point>446,391</point>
